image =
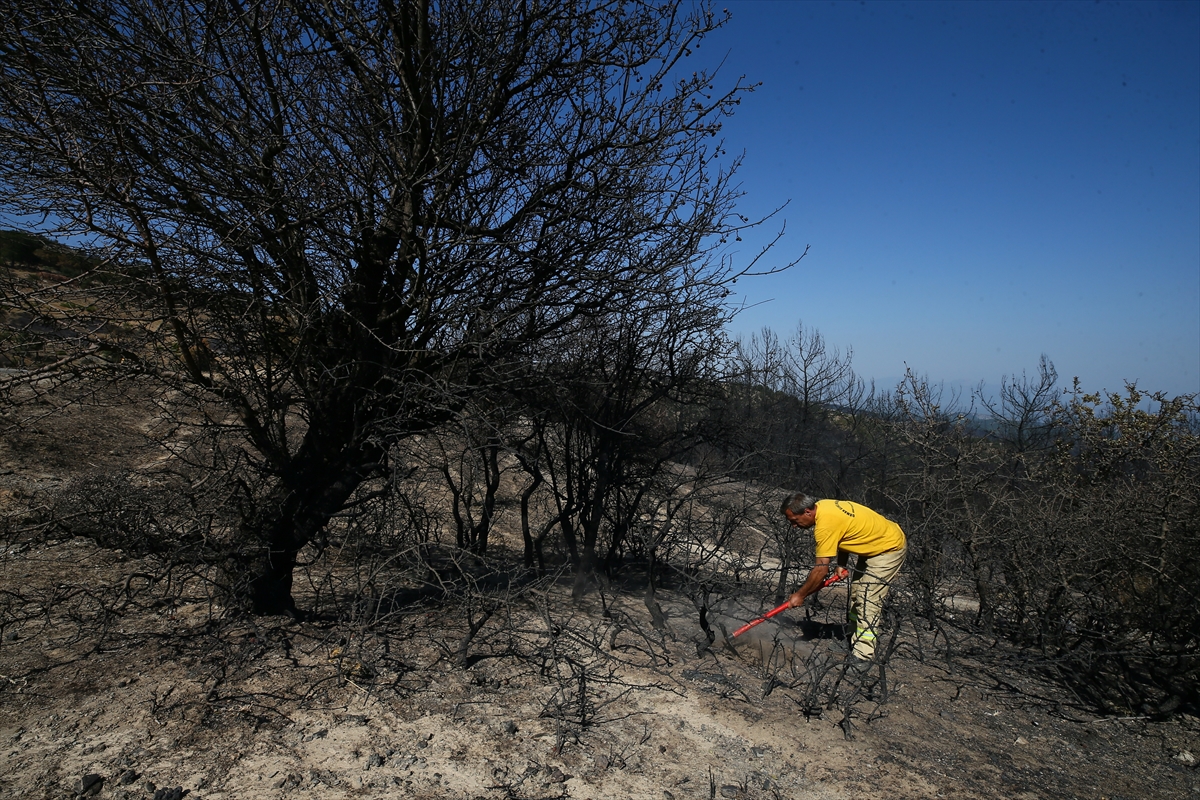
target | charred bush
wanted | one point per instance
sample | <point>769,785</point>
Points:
<point>121,511</point>
<point>1074,526</point>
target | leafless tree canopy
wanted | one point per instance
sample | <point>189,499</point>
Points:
<point>340,220</point>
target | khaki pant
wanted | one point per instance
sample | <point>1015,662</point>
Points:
<point>872,578</point>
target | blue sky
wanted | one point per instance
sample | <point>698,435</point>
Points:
<point>980,183</point>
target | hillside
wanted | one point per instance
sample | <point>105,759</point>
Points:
<point>127,668</point>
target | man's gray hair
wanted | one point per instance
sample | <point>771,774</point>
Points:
<point>797,503</point>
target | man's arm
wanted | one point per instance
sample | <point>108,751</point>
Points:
<point>811,586</point>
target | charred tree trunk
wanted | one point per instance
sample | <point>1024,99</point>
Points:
<point>491,473</point>
<point>526,533</point>
<point>295,513</point>
<point>591,520</point>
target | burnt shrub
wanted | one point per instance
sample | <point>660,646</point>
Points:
<point>123,511</point>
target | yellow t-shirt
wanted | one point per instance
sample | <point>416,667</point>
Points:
<point>842,525</point>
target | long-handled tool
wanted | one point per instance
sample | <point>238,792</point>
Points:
<point>833,578</point>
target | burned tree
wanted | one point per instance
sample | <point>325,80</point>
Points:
<point>626,400</point>
<point>337,222</point>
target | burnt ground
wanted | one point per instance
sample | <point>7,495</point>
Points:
<point>118,667</point>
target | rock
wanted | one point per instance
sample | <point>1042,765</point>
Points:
<point>176,793</point>
<point>601,763</point>
<point>729,790</point>
<point>375,760</point>
<point>1186,758</point>
<point>667,795</point>
<point>127,777</point>
<point>321,734</point>
<point>289,781</point>
<point>1021,740</point>
<point>510,727</point>
<point>89,784</point>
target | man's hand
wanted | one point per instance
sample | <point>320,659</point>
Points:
<point>813,585</point>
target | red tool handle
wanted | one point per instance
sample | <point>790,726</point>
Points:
<point>834,577</point>
<point>760,620</point>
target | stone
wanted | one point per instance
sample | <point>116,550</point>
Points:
<point>375,760</point>
<point>730,791</point>
<point>89,784</point>
<point>1186,758</point>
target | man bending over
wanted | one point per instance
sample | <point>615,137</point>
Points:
<point>841,528</point>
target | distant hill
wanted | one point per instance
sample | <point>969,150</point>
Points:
<point>21,249</point>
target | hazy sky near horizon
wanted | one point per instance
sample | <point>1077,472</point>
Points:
<point>979,183</point>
